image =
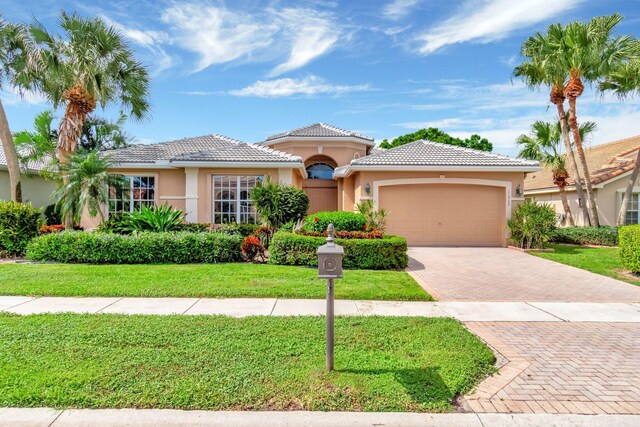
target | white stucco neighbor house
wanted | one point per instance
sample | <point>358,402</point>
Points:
<point>610,165</point>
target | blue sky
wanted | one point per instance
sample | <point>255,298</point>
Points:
<point>249,69</point>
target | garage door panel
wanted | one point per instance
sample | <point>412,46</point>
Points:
<point>446,215</point>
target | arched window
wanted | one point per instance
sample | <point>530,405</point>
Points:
<point>319,171</point>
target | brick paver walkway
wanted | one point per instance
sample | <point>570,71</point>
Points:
<point>559,367</point>
<point>499,274</point>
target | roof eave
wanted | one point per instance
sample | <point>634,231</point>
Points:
<point>241,164</point>
<point>446,168</point>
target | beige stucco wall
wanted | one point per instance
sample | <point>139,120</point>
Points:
<point>35,189</point>
<point>342,152</point>
<point>607,201</point>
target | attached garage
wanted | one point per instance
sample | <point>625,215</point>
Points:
<point>446,214</point>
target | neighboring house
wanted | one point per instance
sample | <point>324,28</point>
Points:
<point>35,189</point>
<point>436,194</point>
<point>610,165</point>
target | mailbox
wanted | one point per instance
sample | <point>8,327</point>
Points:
<point>330,257</point>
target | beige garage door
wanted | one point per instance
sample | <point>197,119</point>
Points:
<point>446,215</point>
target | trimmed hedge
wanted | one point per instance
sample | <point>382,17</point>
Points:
<point>629,240</point>
<point>139,248</point>
<point>342,221</point>
<point>388,253</point>
<point>605,236</point>
<point>19,223</point>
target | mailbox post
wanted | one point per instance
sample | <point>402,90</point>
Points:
<point>330,268</point>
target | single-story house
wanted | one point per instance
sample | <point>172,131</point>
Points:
<point>610,165</point>
<point>35,189</point>
<point>436,194</point>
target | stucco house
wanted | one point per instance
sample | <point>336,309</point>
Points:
<point>436,194</point>
<point>610,165</point>
<point>35,189</point>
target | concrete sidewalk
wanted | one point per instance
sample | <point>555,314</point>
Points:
<point>43,417</point>
<point>466,311</point>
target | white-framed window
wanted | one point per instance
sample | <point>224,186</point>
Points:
<point>139,191</point>
<point>231,199</point>
<point>319,171</point>
<point>632,210</point>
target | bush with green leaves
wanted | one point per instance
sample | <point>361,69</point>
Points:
<point>235,229</point>
<point>137,248</point>
<point>532,224</point>
<point>51,215</point>
<point>376,218</point>
<point>388,253</point>
<point>629,242</point>
<point>342,221</point>
<point>19,223</point>
<point>279,204</point>
<point>149,218</point>
<point>602,236</point>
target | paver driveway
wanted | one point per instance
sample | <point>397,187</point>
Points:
<point>500,274</point>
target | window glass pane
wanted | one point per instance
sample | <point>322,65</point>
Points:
<point>140,191</point>
<point>232,199</point>
<point>319,171</point>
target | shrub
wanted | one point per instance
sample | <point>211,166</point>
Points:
<point>265,234</point>
<point>373,234</point>
<point>19,223</point>
<point>48,229</point>
<point>234,229</point>
<point>342,221</point>
<point>388,253</point>
<point>532,224</point>
<point>137,248</point>
<point>376,218</point>
<point>150,218</point>
<point>606,236</point>
<point>51,215</point>
<point>195,227</point>
<point>278,204</point>
<point>629,241</point>
<point>252,249</point>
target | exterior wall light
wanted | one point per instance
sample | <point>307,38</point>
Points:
<point>367,189</point>
<point>519,191</point>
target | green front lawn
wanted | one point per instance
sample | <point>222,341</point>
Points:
<point>201,280</point>
<point>222,363</point>
<point>602,260</point>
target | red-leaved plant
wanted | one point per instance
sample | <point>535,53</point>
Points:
<point>252,249</point>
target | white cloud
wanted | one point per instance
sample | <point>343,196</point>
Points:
<point>217,35</point>
<point>489,20</point>
<point>11,96</point>
<point>399,9</point>
<point>150,40</point>
<point>312,85</point>
<point>313,34</point>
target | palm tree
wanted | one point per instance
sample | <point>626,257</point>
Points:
<point>587,51</point>
<point>103,134</point>
<point>543,144</point>
<point>12,66</point>
<point>39,144</point>
<point>624,80</point>
<point>536,72</point>
<point>88,187</point>
<point>88,65</point>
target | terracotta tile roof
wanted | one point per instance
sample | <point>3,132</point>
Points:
<point>605,161</point>
<point>319,130</point>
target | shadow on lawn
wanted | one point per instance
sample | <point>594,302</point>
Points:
<point>423,385</point>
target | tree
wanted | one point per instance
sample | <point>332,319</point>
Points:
<point>101,134</point>
<point>12,70</point>
<point>624,80</point>
<point>537,71</point>
<point>39,144</point>
<point>543,144</point>
<point>588,52</point>
<point>89,64</point>
<point>436,135</point>
<point>88,186</point>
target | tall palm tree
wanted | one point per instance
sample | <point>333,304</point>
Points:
<point>587,52</point>
<point>89,64</point>
<point>543,144</point>
<point>88,186</point>
<point>623,81</point>
<point>12,66</point>
<point>537,71</point>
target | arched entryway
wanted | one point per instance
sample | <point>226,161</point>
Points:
<point>320,186</point>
